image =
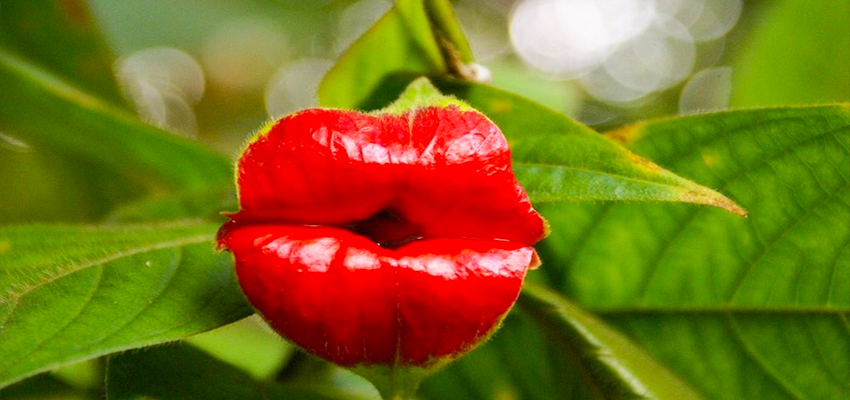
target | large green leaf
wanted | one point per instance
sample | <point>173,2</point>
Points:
<point>741,308</point>
<point>60,36</point>
<point>113,154</point>
<point>799,54</point>
<point>183,373</point>
<point>559,160</point>
<point>69,293</point>
<point>416,36</point>
<point>608,363</point>
<point>550,349</point>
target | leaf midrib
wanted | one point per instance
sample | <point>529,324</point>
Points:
<point>750,352</point>
<point>12,298</point>
<point>667,182</point>
<point>722,185</point>
<point>729,131</point>
<point>719,310</point>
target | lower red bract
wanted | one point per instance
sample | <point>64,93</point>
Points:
<point>348,300</point>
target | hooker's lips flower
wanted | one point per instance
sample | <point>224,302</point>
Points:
<point>392,239</point>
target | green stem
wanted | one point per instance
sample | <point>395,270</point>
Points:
<point>394,383</point>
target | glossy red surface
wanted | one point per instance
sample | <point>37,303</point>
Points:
<point>381,239</point>
<point>445,171</point>
<point>348,300</point>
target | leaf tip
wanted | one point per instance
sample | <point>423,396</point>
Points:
<point>695,193</point>
<point>711,198</point>
<point>731,206</point>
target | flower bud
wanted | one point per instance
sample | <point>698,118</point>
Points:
<point>389,243</point>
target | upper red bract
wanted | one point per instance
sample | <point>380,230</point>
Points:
<point>444,171</point>
<point>382,239</point>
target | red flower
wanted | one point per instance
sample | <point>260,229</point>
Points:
<point>398,238</point>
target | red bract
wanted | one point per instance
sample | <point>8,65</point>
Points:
<point>397,238</point>
<point>445,172</point>
<point>350,301</point>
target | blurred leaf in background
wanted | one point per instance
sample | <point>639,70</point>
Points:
<point>798,53</point>
<point>62,36</point>
<point>39,184</point>
<point>44,387</point>
<point>128,158</point>
<point>414,38</point>
<point>182,372</point>
<point>68,155</point>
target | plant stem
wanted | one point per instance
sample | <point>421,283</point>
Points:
<point>393,383</point>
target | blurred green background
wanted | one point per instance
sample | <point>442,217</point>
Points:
<point>216,70</point>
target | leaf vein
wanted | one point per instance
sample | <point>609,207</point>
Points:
<point>14,297</point>
<point>172,272</point>
<point>810,334</point>
<point>752,355</point>
<point>85,303</point>
<point>777,237</point>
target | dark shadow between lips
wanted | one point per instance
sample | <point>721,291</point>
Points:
<point>387,229</point>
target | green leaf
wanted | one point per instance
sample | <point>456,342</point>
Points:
<point>741,308</point>
<point>86,374</point>
<point>43,387</point>
<point>205,203</point>
<point>514,364</point>
<point>610,366</point>
<point>800,54</point>
<point>55,189</point>
<point>182,373</point>
<point>420,37</point>
<point>130,159</point>
<point>559,160</point>
<point>62,37</point>
<point>71,293</point>
<point>249,344</point>
<point>549,348</point>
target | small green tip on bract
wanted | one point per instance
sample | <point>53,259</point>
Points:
<point>421,93</point>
